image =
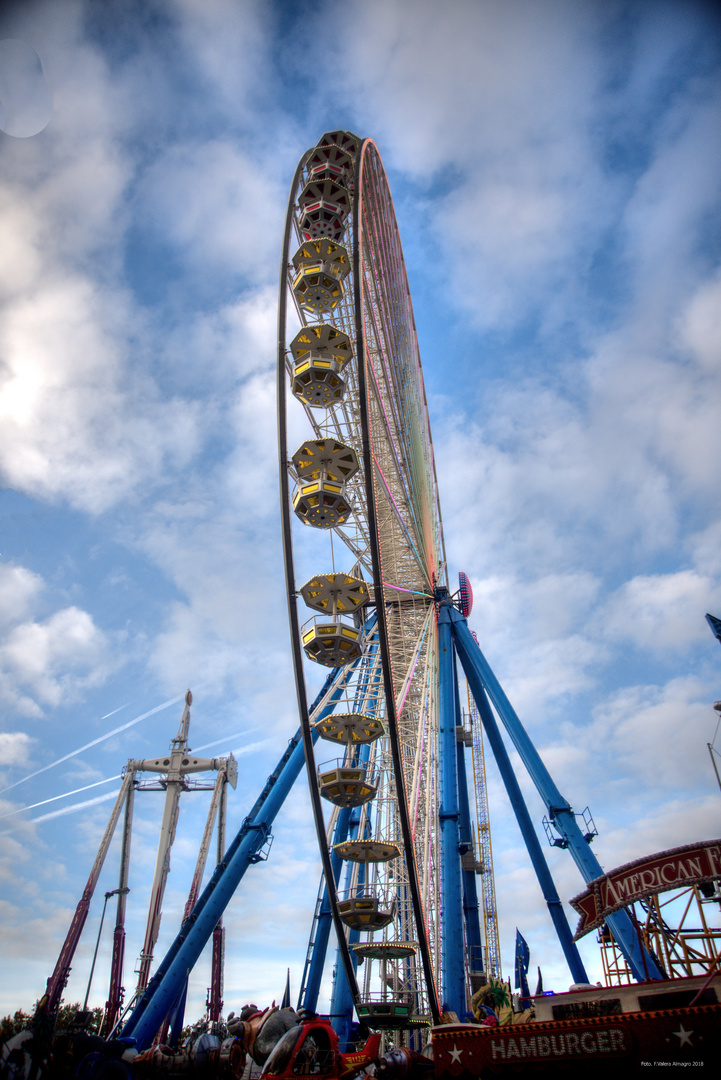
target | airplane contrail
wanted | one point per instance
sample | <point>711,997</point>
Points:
<point>107,780</point>
<point>240,751</point>
<point>225,739</point>
<point>75,806</point>
<point>54,798</point>
<point>101,738</point>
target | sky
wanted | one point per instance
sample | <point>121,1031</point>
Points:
<point>556,172</point>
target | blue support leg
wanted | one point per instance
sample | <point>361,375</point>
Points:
<point>341,1005</point>
<point>342,1001</point>
<point>453,983</point>
<point>535,851</point>
<point>479,674</point>
<point>471,908</point>
<point>321,930</point>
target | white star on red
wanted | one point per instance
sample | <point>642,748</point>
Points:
<point>455,1053</point>
<point>684,1036</point>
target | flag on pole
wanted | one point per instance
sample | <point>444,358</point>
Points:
<point>523,957</point>
<point>539,984</point>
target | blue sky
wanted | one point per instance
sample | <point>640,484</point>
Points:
<point>555,169</point>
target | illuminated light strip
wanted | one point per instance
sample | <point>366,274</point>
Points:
<point>388,245</point>
<point>400,517</point>
<point>395,379</point>
<point>416,793</point>
<point>424,704</point>
<point>402,480</point>
<point>409,677</point>
<point>401,299</point>
<point>415,592</point>
<point>398,423</point>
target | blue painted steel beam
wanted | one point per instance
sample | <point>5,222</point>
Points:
<point>163,988</point>
<point>346,827</point>
<point>480,676</point>
<point>341,1006</point>
<point>533,846</point>
<point>341,1003</point>
<point>342,999</point>
<point>321,931</point>
<point>453,982</point>
<point>471,909</point>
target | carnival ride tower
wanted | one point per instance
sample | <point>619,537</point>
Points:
<point>173,771</point>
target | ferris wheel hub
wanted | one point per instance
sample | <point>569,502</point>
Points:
<point>466,594</point>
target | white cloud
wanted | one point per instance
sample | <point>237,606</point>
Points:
<point>20,257</point>
<point>44,660</point>
<point>56,657</point>
<point>676,822</point>
<point>699,326</point>
<point>15,747</point>
<point>222,207</point>
<point>661,611</point>
<point>229,46</point>
<point>19,587</point>
<point>74,425</point>
<point>658,735</point>
<point>705,547</point>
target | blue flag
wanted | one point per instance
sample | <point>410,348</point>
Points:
<point>523,956</point>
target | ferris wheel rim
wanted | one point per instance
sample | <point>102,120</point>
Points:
<point>365,148</point>
<point>291,591</point>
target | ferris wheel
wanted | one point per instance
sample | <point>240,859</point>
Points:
<point>365,474</point>
<point>397,884</point>
<point>390,797</point>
